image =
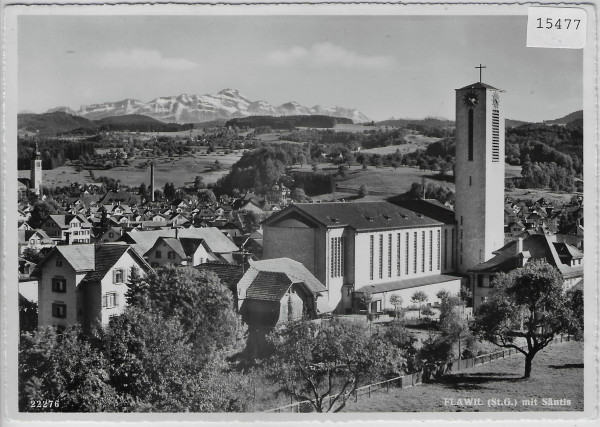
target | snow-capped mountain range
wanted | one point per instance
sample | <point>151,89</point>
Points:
<point>186,108</point>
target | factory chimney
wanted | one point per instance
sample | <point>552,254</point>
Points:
<point>152,181</point>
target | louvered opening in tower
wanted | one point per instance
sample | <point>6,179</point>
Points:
<point>495,136</point>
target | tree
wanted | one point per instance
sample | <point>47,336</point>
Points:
<point>527,303</point>
<point>199,183</point>
<point>206,196</point>
<point>419,297</point>
<point>32,255</point>
<point>434,355</point>
<point>298,195</point>
<point>363,191</point>
<point>198,300</point>
<point>396,301</point>
<point>169,191</point>
<point>428,313</point>
<point>315,167</point>
<point>575,302</point>
<point>342,171</point>
<point>40,213</point>
<point>143,190</point>
<point>325,364</point>
<point>66,369</point>
<point>451,324</point>
<point>366,300</point>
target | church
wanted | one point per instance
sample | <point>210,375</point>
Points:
<point>388,248</point>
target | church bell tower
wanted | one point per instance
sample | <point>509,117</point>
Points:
<point>479,174</point>
<point>35,179</point>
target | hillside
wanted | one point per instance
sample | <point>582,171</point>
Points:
<point>289,122</point>
<point>428,121</point>
<point>52,123</point>
<point>577,115</point>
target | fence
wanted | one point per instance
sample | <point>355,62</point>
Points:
<point>416,378</point>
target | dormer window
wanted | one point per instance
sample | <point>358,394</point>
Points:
<point>333,219</point>
<point>368,218</point>
<point>386,216</point>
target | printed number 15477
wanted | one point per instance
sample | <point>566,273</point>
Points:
<point>559,24</point>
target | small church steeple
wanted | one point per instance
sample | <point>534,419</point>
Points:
<point>35,179</point>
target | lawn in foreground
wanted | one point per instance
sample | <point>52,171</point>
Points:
<point>557,374</point>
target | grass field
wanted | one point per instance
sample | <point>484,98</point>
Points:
<point>557,374</point>
<point>178,170</point>
<point>386,180</point>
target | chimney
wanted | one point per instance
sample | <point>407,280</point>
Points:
<point>519,245</point>
<point>152,181</point>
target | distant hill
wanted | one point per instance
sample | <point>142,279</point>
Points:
<point>61,123</point>
<point>52,123</point>
<point>510,123</point>
<point>289,122</point>
<point>577,115</point>
<point>428,121</point>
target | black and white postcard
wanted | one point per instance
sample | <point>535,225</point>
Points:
<point>308,212</point>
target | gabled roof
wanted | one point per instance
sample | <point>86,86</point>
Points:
<point>293,269</point>
<point>478,85</point>
<point>361,216</point>
<point>63,220</point>
<point>172,243</point>
<point>80,257</point>
<point>215,240</point>
<point>106,256</point>
<point>268,286</point>
<point>565,249</point>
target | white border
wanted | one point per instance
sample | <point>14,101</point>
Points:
<point>8,296</point>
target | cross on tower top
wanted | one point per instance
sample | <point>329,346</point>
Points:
<point>480,68</point>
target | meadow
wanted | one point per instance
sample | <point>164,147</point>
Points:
<point>557,374</point>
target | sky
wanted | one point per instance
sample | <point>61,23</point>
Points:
<point>384,66</point>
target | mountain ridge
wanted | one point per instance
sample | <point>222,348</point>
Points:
<point>191,108</point>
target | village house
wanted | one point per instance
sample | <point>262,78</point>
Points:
<point>203,245</point>
<point>85,284</point>
<point>565,257</point>
<point>35,240</point>
<point>68,228</point>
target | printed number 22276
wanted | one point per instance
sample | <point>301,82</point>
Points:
<point>43,403</point>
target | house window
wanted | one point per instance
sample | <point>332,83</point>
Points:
<point>398,259</point>
<point>119,276</point>
<point>59,262</point>
<point>171,255</point>
<point>109,300</point>
<point>381,256</point>
<point>371,254</point>
<point>158,254</point>
<point>423,252</point>
<point>59,285</point>
<point>59,310</point>
<point>415,253</point>
<point>111,235</point>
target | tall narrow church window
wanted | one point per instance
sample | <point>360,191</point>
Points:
<point>407,251</point>
<point>470,136</point>
<point>337,257</point>
<point>423,252</point>
<point>430,250</point>
<point>415,253</point>
<point>381,256</point>
<point>371,255</point>
<point>445,249</point>
<point>439,249</point>
<point>495,135</point>
<point>470,180</point>
<point>398,252</point>
<point>389,255</point>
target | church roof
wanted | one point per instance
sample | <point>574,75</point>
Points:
<point>361,216</point>
<point>478,85</point>
<point>415,282</point>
